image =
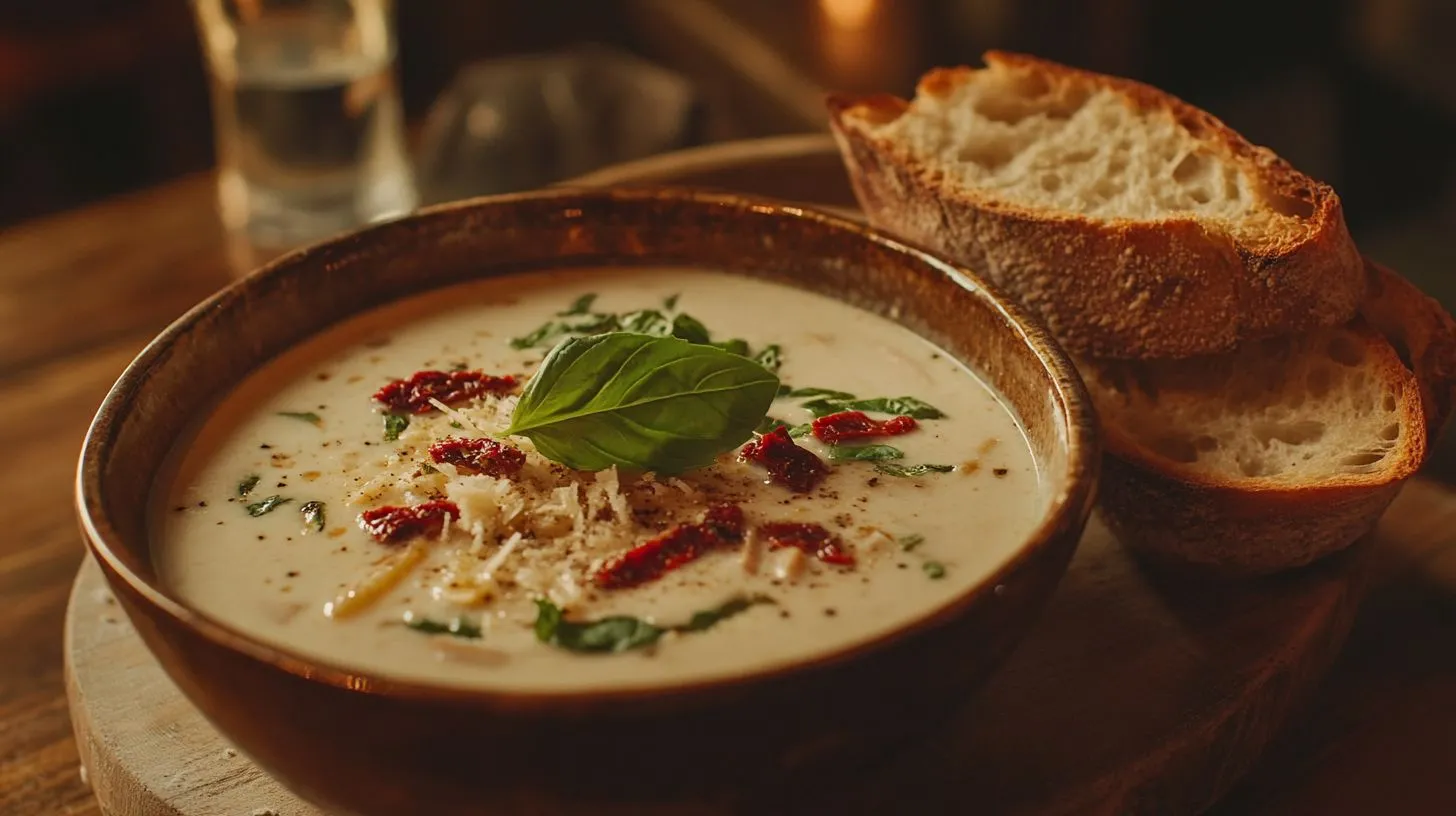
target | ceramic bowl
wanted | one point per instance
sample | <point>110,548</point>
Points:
<point>355,743</point>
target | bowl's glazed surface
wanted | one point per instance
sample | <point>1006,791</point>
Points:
<point>360,744</point>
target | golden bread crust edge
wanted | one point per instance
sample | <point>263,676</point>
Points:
<point>1121,288</point>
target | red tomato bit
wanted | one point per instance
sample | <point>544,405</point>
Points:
<point>811,538</point>
<point>478,456</point>
<point>721,528</point>
<point>855,425</point>
<point>414,394</point>
<point>788,464</point>
<point>394,525</point>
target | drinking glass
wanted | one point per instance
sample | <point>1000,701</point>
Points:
<point>310,140</point>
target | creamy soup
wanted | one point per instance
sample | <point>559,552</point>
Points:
<point>320,510</point>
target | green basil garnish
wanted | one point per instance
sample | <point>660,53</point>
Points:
<point>899,406</point>
<point>247,484</point>
<point>770,357</point>
<point>550,331</point>
<point>582,305</point>
<point>670,302</point>
<point>645,321</point>
<point>934,569</point>
<point>865,453</point>
<point>266,506</point>
<point>306,416</point>
<point>911,471</point>
<point>689,328</point>
<point>820,392</point>
<point>801,430</point>
<point>456,627</point>
<point>652,403</point>
<point>394,425</point>
<point>620,633</point>
<point>313,514</point>
<point>737,346</point>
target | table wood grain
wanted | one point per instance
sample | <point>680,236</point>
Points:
<point>82,292</point>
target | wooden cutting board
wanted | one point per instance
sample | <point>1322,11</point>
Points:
<point>1135,693</point>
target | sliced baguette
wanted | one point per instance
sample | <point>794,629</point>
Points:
<point>1137,225</point>
<point>1262,459</point>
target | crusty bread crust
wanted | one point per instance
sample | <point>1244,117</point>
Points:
<point>1115,288</point>
<point>1255,525</point>
<point>1422,333</point>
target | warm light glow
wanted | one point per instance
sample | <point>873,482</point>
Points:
<point>848,14</point>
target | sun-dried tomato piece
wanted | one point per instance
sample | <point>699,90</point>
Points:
<point>393,525</point>
<point>414,393</point>
<point>479,456</point>
<point>856,425</point>
<point>788,464</point>
<point>721,527</point>
<point>811,538</point>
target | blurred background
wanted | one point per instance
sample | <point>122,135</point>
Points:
<point>98,97</point>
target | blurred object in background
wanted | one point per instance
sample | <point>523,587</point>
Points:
<point>523,122</point>
<point>306,117</point>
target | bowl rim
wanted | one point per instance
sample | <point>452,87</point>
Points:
<point>1066,508</point>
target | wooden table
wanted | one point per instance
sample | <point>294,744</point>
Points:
<point>82,292</point>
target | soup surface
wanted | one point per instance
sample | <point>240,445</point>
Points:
<point>311,513</point>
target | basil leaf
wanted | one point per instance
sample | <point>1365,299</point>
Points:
<point>689,328</point>
<point>910,542</point>
<point>313,514</point>
<point>266,506</point>
<point>934,569</point>
<point>646,321</point>
<point>619,633</point>
<point>580,306</point>
<point>899,406</point>
<point>670,302</point>
<point>394,425</point>
<point>457,627</point>
<point>823,407</point>
<point>652,403</point>
<point>737,346</point>
<point>865,453</point>
<point>247,484</point>
<point>708,618</point>
<point>542,333</point>
<point>770,357</point>
<point>911,471</point>
<point>799,431</point>
<point>306,416</point>
<point>820,392</point>
<point>784,390</point>
<point>548,332</point>
<point>769,424</point>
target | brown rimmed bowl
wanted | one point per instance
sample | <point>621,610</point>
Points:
<point>362,744</point>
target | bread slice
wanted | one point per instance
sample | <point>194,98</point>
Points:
<point>1262,459</point>
<point>1424,335</point>
<point>1137,225</point>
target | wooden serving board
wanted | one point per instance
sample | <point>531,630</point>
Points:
<point>1135,693</point>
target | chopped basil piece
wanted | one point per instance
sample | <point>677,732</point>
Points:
<point>770,357</point>
<point>821,392</point>
<point>394,425</point>
<point>456,425</point>
<point>801,430</point>
<point>900,406</point>
<point>934,569</point>
<point>246,485</point>
<point>737,346</point>
<point>313,514</point>
<point>646,321</point>
<point>620,633</point>
<point>548,332</point>
<point>266,506</point>
<point>910,471</point>
<point>823,407</point>
<point>910,542</point>
<point>865,453</point>
<point>689,328</point>
<point>769,424</point>
<point>582,305</point>
<point>457,627</point>
<point>307,416</point>
<point>670,302</point>
<point>784,390</point>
